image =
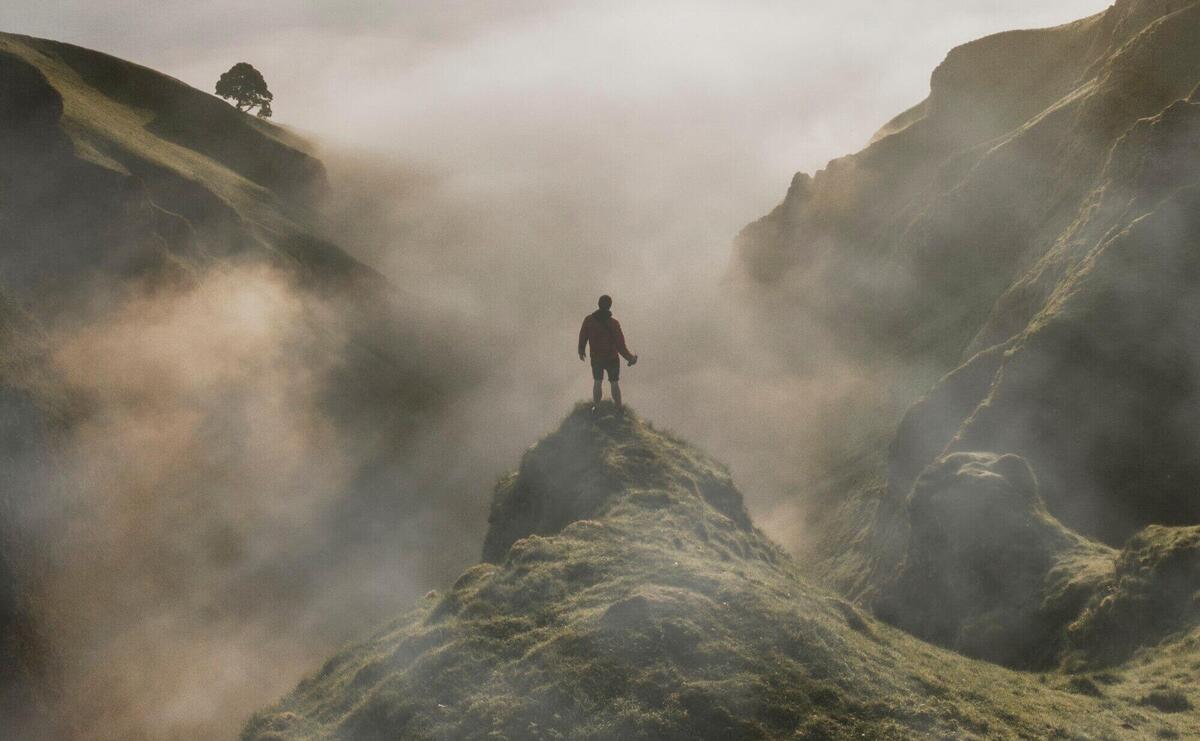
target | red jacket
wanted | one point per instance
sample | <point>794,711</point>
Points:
<point>603,333</point>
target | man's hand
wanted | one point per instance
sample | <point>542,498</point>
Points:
<point>582,356</point>
<point>633,361</point>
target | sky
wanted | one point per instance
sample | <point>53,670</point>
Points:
<point>789,84</point>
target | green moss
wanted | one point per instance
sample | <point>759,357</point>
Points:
<point>987,570</point>
<point>659,616</point>
<point>1154,591</point>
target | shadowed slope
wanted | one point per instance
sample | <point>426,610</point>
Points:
<point>177,340</point>
<point>113,170</point>
<point>1021,248</point>
<point>576,473</point>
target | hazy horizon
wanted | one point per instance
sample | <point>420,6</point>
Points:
<point>790,86</point>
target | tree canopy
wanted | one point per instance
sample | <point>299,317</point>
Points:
<point>246,87</point>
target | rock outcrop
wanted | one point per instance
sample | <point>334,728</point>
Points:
<point>1022,245</point>
<point>988,571</point>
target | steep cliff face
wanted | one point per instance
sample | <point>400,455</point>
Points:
<point>915,238</point>
<point>1021,244</point>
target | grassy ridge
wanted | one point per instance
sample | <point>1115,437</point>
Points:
<point>240,183</point>
<point>661,616</point>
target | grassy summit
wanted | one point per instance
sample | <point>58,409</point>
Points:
<point>630,597</point>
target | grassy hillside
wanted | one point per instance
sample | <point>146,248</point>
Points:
<point>914,239</point>
<point>1017,253</point>
<point>226,341</point>
<point>626,595</point>
<point>146,171</point>
<point>119,174</point>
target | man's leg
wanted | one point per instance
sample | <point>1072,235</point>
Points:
<point>616,393</point>
<point>596,391</point>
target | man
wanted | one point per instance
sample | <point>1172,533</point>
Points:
<point>603,333</point>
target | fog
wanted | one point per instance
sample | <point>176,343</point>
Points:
<point>537,157</point>
<point>179,580</point>
<point>503,165</point>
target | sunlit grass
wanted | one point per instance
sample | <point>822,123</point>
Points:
<point>658,616</point>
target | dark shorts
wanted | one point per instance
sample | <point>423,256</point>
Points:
<point>612,366</point>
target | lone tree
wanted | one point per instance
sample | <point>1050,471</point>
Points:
<point>246,87</point>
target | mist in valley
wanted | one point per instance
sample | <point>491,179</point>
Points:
<point>502,168</point>
<point>515,170</point>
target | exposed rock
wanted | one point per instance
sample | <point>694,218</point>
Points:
<point>929,425</point>
<point>1102,392</point>
<point>980,573</point>
<point>1017,254</point>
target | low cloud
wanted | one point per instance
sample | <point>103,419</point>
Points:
<point>194,493</point>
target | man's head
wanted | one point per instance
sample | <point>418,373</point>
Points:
<point>606,302</point>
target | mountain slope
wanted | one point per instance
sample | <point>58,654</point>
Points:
<point>200,393</point>
<point>913,239</point>
<point>145,171</point>
<point>648,606</point>
<point>1017,254</point>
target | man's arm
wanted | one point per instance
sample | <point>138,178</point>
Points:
<point>583,340</point>
<point>619,336</point>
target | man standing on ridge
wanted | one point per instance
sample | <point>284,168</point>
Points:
<point>603,333</point>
